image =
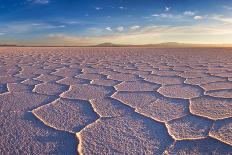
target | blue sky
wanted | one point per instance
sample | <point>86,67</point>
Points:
<point>88,22</point>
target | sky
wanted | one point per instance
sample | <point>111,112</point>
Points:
<point>90,22</point>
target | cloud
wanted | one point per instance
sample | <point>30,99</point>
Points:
<point>72,22</point>
<point>222,18</point>
<point>21,27</point>
<point>97,8</point>
<point>1,33</point>
<point>122,8</point>
<point>163,15</point>
<point>39,1</point>
<point>108,28</point>
<point>189,13</point>
<point>135,27</point>
<point>166,15</point>
<point>120,28</point>
<point>227,7</point>
<point>198,17</point>
<point>167,9</point>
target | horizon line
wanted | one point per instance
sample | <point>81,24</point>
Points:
<point>164,44</point>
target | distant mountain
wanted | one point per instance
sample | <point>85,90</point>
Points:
<point>6,45</point>
<point>164,45</point>
<point>159,45</point>
<point>108,45</point>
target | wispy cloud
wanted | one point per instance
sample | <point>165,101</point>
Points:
<point>222,18</point>
<point>227,7</point>
<point>135,27</point>
<point>189,13</point>
<point>108,28</point>
<point>28,27</point>
<point>122,8</point>
<point>167,15</point>
<point>198,17</point>
<point>39,1</point>
<point>97,8</point>
<point>120,29</point>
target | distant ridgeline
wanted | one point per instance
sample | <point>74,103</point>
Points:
<point>7,45</point>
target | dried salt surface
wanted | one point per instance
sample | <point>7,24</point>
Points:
<point>109,107</point>
<point>10,79</point>
<point>31,82</point>
<point>189,127</point>
<point>19,87</point>
<point>217,86</point>
<point>72,81</point>
<point>217,70</point>
<point>66,115</point>
<point>90,76</point>
<point>123,77</point>
<point>131,134</point>
<point>212,108</point>
<point>180,91</point>
<point>48,78</point>
<point>18,101</point>
<point>105,82</point>
<point>193,74</point>
<point>164,80</point>
<point>50,88</point>
<point>93,70</point>
<point>136,86</point>
<point>3,88</point>
<point>224,74</point>
<point>220,93</point>
<point>136,99</point>
<point>166,73</point>
<point>164,109</point>
<point>196,147</point>
<point>67,72</point>
<point>86,92</point>
<point>141,121</point>
<point>222,130</point>
<point>22,133</point>
<point>153,105</point>
<point>204,80</point>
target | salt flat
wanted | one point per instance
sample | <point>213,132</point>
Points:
<point>71,100</point>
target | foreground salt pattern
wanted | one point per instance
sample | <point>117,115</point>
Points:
<point>115,101</point>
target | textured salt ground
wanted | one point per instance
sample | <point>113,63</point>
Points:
<point>48,78</point>
<point>180,91</point>
<point>164,80</point>
<point>217,86</point>
<point>204,80</point>
<point>222,130</point>
<point>132,134</point>
<point>134,101</point>
<point>220,93</point>
<point>136,86</point>
<point>212,108</point>
<point>22,133</point>
<point>109,107</point>
<point>50,88</point>
<point>105,82</point>
<point>67,115</point>
<point>72,81</point>
<point>19,87</point>
<point>87,92</point>
<point>189,127</point>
